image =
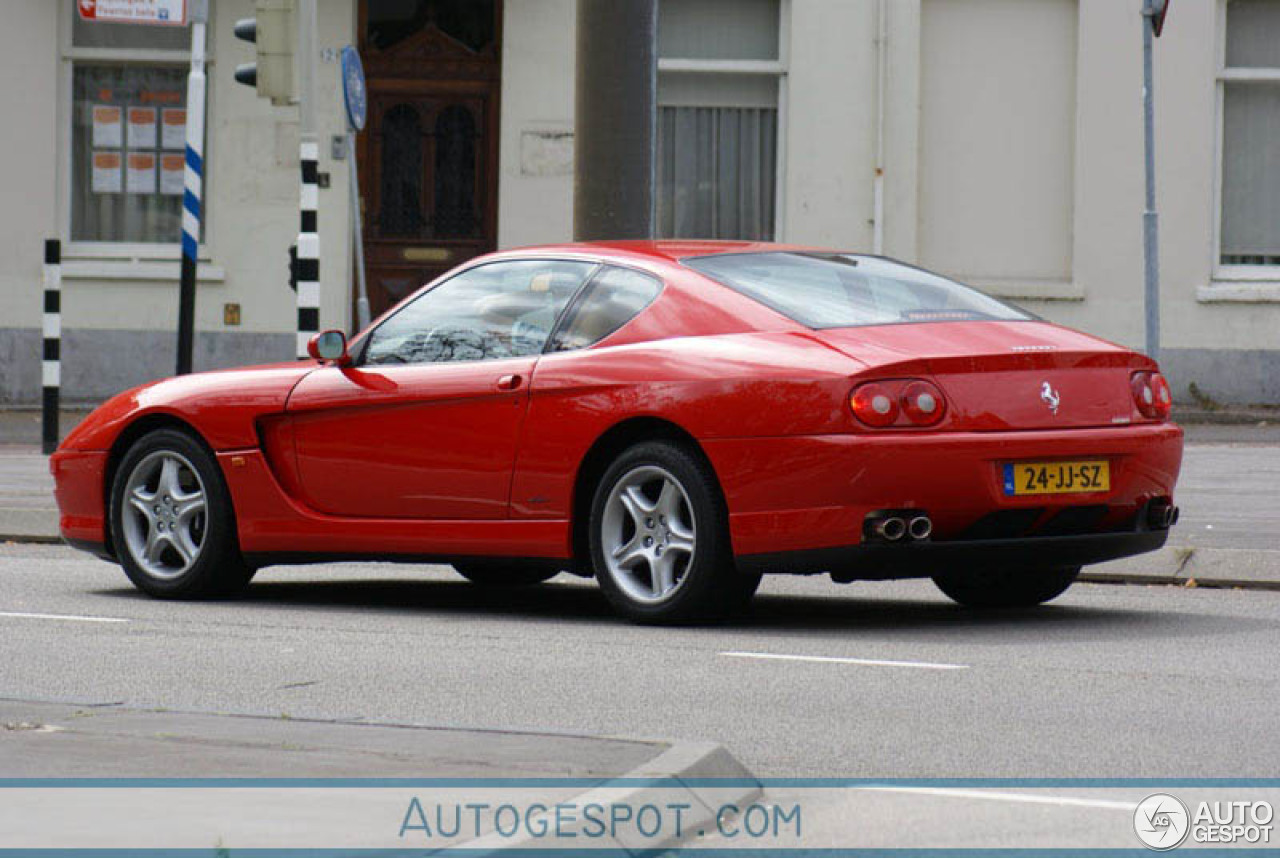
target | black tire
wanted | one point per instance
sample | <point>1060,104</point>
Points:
<point>710,586</point>
<point>1006,588</point>
<point>505,574</point>
<point>217,568</point>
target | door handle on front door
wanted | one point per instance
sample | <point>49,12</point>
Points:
<point>509,382</point>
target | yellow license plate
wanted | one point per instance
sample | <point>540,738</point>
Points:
<point>1057,478</point>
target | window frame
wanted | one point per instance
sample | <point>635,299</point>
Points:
<point>360,360</point>
<point>1249,277</point>
<point>570,314</point>
<point>1028,316</point>
<point>779,70</point>
<point>113,260</point>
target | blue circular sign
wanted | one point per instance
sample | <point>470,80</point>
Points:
<point>353,90</point>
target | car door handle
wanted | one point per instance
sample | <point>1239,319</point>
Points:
<point>509,382</point>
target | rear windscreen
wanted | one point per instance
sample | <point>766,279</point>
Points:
<point>839,290</point>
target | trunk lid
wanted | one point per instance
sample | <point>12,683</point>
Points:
<point>999,376</point>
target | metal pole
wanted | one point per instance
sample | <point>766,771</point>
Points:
<point>193,187</point>
<point>308,323</point>
<point>1150,218</point>
<point>51,364</point>
<point>615,119</point>
<point>357,231</point>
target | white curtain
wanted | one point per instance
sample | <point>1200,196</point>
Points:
<point>1250,131</point>
<point>1251,174</point>
<point>716,172</point>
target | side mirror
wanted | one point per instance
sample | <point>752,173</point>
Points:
<point>329,345</point>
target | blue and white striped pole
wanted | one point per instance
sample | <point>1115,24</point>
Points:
<point>193,186</point>
<point>51,359</point>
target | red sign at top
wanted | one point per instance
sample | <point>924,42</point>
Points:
<point>171,13</point>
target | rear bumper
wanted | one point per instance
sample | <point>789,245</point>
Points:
<point>923,559</point>
<point>794,494</point>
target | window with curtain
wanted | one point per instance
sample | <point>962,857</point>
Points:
<point>717,118</point>
<point>1250,227</point>
<point>128,133</point>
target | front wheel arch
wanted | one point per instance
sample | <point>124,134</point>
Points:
<point>130,435</point>
<point>602,453</point>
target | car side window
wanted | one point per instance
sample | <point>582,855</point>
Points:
<point>496,310</point>
<point>614,297</point>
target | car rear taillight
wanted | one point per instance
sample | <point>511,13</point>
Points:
<point>874,405</point>
<point>898,402</point>
<point>1151,394</point>
<point>922,403</point>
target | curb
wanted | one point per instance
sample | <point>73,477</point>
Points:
<point>679,774</point>
<point>1186,566</point>
<point>31,538</point>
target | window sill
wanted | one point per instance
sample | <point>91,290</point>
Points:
<point>137,270</point>
<point>1027,289</point>
<point>1240,292</point>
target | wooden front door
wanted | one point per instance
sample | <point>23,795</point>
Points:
<point>428,155</point>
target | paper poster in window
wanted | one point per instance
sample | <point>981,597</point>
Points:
<point>106,126</point>
<point>171,174</point>
<point>106,173</point>
<point>141,175</point>
<point>173,128</point>
<point>142,127</point>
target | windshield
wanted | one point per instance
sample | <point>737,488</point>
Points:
<point>839,290</point>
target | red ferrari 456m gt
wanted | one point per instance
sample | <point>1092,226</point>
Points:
<point>674,418</point>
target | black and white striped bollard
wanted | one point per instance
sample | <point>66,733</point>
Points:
<point>51,362</point>
<point>309,249</point>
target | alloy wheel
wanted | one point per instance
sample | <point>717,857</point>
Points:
<point>649,534</point>
<point>165,514</point>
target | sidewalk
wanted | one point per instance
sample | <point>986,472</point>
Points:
<point>344,784</point>
<point>1229,493</point>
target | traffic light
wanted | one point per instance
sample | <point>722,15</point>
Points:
<point>272,31</point>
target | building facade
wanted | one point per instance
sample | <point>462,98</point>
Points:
<point>998,141</point>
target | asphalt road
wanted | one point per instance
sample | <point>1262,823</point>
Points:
<point>1109,681</point>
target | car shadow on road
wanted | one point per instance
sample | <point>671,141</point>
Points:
<point>838,614</point>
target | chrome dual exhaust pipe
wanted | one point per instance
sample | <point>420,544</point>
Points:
<point>890,529</point>
<point>894,528</point>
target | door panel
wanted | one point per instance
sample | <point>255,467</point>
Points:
<point>423,441</point>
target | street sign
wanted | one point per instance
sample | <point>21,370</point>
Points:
<point>1159,13</point>
<point>171,13</point>
<point>353,89</point>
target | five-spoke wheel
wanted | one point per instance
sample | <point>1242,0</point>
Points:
<point>171,519</point>
<point>659,537</point>
<point>164,514</point>
<point>650,533</point>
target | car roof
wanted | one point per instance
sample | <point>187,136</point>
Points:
<point>665,250</point>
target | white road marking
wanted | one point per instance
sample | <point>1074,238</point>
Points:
<point>1021,798</point>
<point>827,659</point>
<point>68,617</point>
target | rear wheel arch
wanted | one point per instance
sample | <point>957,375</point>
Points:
<point>601,455</point>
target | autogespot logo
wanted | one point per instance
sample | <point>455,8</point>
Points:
<point>1162,822</point>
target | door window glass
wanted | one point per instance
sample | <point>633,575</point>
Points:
<point>614,298</point>
<point>499,310</point>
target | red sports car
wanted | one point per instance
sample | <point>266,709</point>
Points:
<point>674,418</point>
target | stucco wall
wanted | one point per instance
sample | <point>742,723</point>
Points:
<point>1230,349</point>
